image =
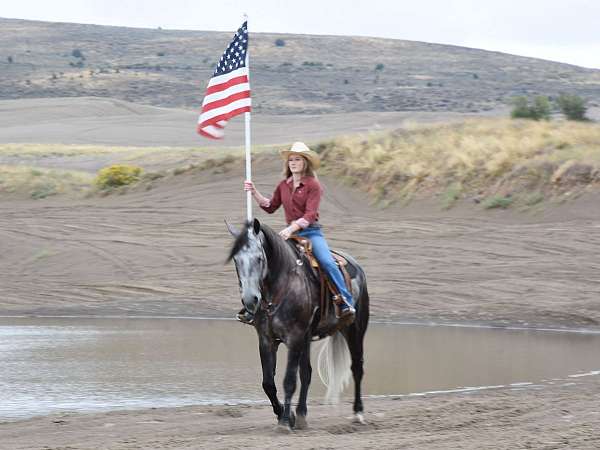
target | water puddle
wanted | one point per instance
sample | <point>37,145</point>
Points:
<point>78,364</point>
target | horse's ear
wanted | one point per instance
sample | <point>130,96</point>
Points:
<point>235,233</point>
<point>256,226</point>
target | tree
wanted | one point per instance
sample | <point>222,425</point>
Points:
<point>279,42</point>
<point>572,106</point>
<point>379,67</point>
<point>10,59</point>
<point>523,110</point>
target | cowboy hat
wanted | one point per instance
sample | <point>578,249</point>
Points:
<point>300,148</point>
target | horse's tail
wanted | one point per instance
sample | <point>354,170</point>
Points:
<point>334,366</point>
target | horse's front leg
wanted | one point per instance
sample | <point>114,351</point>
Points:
<point>295,348</point>
<point>305,377</point>
<point>268,360</point>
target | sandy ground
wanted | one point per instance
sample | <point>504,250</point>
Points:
<point>559,414</point>
<point>161,252</point>
<point>94,120</point>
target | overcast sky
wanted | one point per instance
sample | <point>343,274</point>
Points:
<point>559,30</point>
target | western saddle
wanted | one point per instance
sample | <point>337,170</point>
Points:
<point>330,298</point>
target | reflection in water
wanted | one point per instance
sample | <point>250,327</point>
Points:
<point>49,365</point>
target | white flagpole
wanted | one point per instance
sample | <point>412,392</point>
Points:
<point>248,155</point>
<point>248,168</point>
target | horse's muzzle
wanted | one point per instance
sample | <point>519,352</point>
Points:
<point>251,303</point>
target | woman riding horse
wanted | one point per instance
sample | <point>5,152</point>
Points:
<point>300,194</point>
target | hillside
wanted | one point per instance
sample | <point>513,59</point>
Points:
<point>309,74</point>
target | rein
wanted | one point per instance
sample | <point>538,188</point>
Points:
<point>272,305</point>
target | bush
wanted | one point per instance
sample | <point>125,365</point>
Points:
<point>117,175</point>
<point>379,67</point>
<point>279,42</point>
<point>572,106</point>
<point>538,111</point>
<point>76,53</point>
<point>10,59</point>
<point>497,201</point>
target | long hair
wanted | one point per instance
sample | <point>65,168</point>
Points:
<point>308,169</point>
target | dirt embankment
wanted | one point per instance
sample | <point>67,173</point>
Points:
<point>159,250</point>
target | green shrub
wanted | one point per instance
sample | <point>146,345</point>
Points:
<point>279,42</point>
<point>523,110</point>
<point>379,67</point>
<point>572,106</point>
<point>451,195</point>
<point>497,201</point>
<point>117,175</point>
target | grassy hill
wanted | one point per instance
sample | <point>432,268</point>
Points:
<point>308,74</point>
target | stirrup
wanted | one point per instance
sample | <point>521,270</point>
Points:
<point>345,308</point>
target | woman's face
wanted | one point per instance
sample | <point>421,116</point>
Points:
<point>296,164</point>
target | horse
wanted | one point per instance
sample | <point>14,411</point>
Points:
<point>278,285</point>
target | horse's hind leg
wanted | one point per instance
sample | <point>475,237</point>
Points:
<point>305,377</point>
<point>355,337</point>
<point>268,360</point>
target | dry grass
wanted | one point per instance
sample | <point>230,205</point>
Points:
<point>40,183</point>
<point>504,158</point>
<point>25,176</point>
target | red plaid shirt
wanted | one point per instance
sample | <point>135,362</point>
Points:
<point>301,204</point>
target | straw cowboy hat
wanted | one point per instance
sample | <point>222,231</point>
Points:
<point>300,148</point>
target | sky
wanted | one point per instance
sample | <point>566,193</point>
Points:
<point>559,30</point>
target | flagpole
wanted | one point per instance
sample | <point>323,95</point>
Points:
<point>248,146</point>
<point>248,168</point>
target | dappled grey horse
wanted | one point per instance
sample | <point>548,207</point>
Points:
<point>279,286</point>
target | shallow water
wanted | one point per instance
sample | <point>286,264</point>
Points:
<point>78,364</point>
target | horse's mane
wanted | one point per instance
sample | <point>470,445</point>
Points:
<point>281,254</point>
<point>240,240</point>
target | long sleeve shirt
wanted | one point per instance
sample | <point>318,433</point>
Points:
<point>301,205</point>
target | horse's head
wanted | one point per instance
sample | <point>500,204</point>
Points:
<point>250,260</point>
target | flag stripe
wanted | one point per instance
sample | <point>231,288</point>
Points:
<point>225,101</point>
<point>221,79</point>
<point>222,111</point>
<point>226,93</point>
<point>224,116</point>
<point>211,132</point>
<point>228,83</point>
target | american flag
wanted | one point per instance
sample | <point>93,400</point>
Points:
<point>228,91</point>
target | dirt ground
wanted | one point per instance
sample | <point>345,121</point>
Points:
<point>559,414</point>
<point>160,251</point>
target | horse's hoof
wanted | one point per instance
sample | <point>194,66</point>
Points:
<point>301,423</point>
<point>283,428</point>
<point>359,418</point>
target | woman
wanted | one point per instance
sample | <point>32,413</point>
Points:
<point>300,194</point>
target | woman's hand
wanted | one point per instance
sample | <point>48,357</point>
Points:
<point>286,232</point>
<point>249,186</point>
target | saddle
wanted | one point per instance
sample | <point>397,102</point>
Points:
<point>330,298</point>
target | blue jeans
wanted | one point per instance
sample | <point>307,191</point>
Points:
<point>323,254</point>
